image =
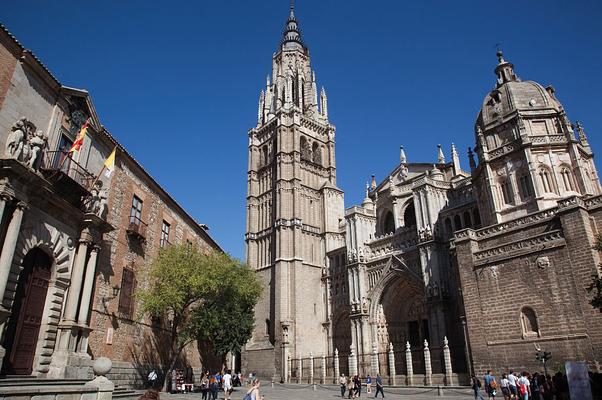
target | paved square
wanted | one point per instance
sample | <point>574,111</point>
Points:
<point>331,392</point>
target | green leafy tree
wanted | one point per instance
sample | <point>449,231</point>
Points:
<point>208,298</point>
<point>595,286</point>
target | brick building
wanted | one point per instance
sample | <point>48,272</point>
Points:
<point>73,240</point>
<point>490,262</point>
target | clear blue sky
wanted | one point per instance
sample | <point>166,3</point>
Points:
<point>177,82</point>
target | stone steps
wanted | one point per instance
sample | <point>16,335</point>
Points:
<point>17,381</point>
<point>125,393</point>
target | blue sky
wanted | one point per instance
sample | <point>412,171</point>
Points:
<point>177,82</point>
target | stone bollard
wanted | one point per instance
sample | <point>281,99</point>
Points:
<point>447,361</point>
<point>101,368</point>
<point>409,366</point>
<point>336,366</point>
<point>374,360</point>
<point>290,366</point>
<point>300,372</point>
<point>272,383</point>
<point>311,367</point>
<point>352,361</point>
<point>392,372</point>
<point>428,369</point>
<point>323,370</point>
<point>440,391</point>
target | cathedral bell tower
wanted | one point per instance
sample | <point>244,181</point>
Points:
<point>293,211</point>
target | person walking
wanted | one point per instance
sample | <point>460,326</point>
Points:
<point>524,386</point>
<point>536,386</point>
<point>490,384</point>
<point>227,379</point>
<point>213,386</point>
<point>253,393</point>
<point>379,386</point>
<point>357,382</point>
<point>368,384</point>
<point>151,379</point>
<point>343,384</point>
<point>350,388</point>
<point>512,379</point>
<point>505,386</point>
<point>476,387</point>
<point>205,385</point>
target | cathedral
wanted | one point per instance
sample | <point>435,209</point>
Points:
<point>478,267</point>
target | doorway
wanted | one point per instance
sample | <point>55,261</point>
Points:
<point>26,315</point>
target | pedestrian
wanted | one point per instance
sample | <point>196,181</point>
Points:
<point>490,384</point>
<point>549,391</point>
<point>357,382</point>
<point>213,386</point>
<point>350,388</point>
<point>151,379</point>
<point>368,384</point>
<point>343,384</point>
<point>227,379</point>
<point>536,387</point>
<point>476,387</point>
<point>512,379</point>
<point>379,386</point>
<point>505,386</point>
<point>205,385</point>
<point>524,386</point>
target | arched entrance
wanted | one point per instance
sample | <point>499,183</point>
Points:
<point>341,338</point>
<point>26,315</point>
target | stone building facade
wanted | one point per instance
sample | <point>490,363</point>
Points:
<point>491,262</point>
<point>73,239</point>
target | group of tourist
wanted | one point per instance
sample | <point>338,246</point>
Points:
<point>521,386</point>
<point>352,385</point>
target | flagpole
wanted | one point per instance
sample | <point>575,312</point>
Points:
<point>98,177</point>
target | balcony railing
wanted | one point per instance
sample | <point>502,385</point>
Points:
<point>136,227</point>
<point>61,161</point>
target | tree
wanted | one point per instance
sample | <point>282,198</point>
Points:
<point>200,297</point>
<point>595,286</point>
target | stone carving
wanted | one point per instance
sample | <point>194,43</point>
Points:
<point>425,233</point>
<point>542,262</point>
<point>97,202</point>
<point>24,145</point>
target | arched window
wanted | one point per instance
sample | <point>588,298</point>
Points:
<point>524,183</point>
<point>266,158</point>
<point>409,215</point>
<point>389,223</point>
<point>506,190</point>
<point>476,218</point>
<point>317,153</point>
<point>467,220</point>
<point>457,223</point>
<point>528,321</point>
<point>448,226</point>
<point>567,179</point>
<point>545,179</point>
<point>305,149</point>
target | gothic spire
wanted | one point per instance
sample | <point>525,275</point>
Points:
<point>504,70</point>
<point>292,34</point>
<point>402,155</point>
<point>440,155</point>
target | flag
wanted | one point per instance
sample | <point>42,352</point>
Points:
<point>110,163</point>
<point>80,137</point>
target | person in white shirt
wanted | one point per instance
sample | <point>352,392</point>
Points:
<point>504,385</point>
<point>227,381</point>
<point>512,381</point>
<point>524,386</point>
<point>152,377</point>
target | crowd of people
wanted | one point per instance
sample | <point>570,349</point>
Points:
<point>352,385</point>
<point>521,386</point>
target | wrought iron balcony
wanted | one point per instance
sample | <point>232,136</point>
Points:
<point>137,228</point>
<point>70,178</point>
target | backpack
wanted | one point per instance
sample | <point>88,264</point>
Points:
<point>493,384</point>
<point>522,388</point>
<point>476,383</point>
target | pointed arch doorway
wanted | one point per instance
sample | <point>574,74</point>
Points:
<point>26,315</point>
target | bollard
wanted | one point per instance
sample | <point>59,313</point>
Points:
<point>323,370</point>
<point>272,383</point>
<point>101,368</point>
<point>392,371</point>
<point>336,366</point>
<point>300,372</point>
<point>314,386</point>
<point>409,365</point>
<point>428,370</point>
<point>311,367</point>
<point>447,361</point>
<point>440,391</point>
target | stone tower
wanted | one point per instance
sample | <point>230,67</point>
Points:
<point>529,153</point>
<point>294,211</point>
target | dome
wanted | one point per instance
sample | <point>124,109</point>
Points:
<point>511,94</point>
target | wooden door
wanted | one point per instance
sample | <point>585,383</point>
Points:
<point>30,311</point>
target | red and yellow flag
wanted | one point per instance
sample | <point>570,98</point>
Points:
<point>80,137</point>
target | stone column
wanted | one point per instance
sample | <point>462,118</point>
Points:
<point>447,361</point>
<point>337,367</point>
<point>4,198</point>
<point>84,306</point>
<point>76,281</point>
<point>8,249</point>
<point>428,370</point>
<point>323,370</point>
<point>300,371</point>
<point>409,365</point>
<point>374,360</point>
<point>311,368</point>
<point>392,372</point>
<point>352,361</point>
<point>289,365</point>
<point>286,364</point>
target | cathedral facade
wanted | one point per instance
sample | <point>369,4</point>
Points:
<point>491,262</point>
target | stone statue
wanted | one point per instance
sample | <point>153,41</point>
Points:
<point>16,140</point>
<point>37,144</point>
<point>97,201</point>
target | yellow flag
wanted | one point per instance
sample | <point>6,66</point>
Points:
<point>110,163</point>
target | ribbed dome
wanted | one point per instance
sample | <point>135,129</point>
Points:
<point>512,94</point>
